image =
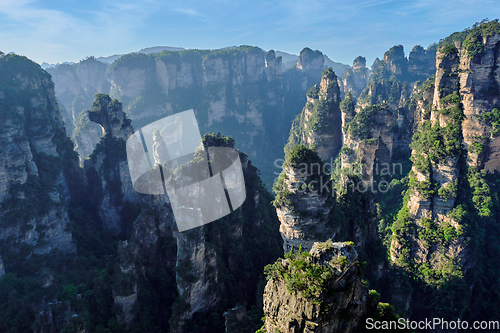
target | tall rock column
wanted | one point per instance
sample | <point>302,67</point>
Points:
<point>355,80</point>
<point>319,124</point>
<point>38,163</point>
<point>430,235</point>
<point>107,168</point>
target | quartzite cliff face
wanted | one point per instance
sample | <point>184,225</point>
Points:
<point>295,301</point>
<point>355,80</point>
<point>319,124</point>
<point>460,121</point>
<point>37,161</point>
<point>76,86</point>
<point>241,92</point>
<point>201,263</point>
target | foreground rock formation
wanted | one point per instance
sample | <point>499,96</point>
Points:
<point>38,164</point>
<point>316,291</point>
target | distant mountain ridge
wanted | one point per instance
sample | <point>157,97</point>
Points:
<point>288,59</point>
<point>110,59</point>
<point>132,78</point>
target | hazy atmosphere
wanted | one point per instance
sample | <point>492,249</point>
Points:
<point>55,31</point>
<point>249,167</point>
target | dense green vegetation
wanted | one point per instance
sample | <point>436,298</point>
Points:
<point>492,118</point>
<point>85,283</point>
<point>435,143</point>
<point>471,38</point>
<point>359,127</point>
<point>442,275</point>
<point>321,112</point>
<point>305,160</point>
<point>302,275</point>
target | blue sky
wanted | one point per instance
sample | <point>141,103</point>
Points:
<point>70,30</point>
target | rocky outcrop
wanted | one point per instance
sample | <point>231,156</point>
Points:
<point>376,134</point>
<point>308,209</point>
<point>395,66</point>
<point>421,61</point>
<point>355,80</point>
<point>297,80</point>
<point>394,60</point>
<point>377,129</point>
<point>375,65</point>
<point>337,303</point>
<point>311,205</point>
<point>109,114</point>
<point>310,60</point>
<point>203,259</point>
<point>319,124</point>
<point>76,86</point>
<point>238,91</point>
<point>34,180</point>
<point>273,64</point>
<point>108,166</point>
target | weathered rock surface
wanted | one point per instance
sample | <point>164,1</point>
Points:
<point>236,321</point>
<point>340,307</point>
<point>319,124</point>
<point>76,86</point>
<point>34,188</point>
<point>308,209</point>
<point>108,165</point>
<point>355,80</point>
<point>462,84</point>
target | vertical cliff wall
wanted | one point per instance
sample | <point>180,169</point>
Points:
<point>450,194</point>
<point>108,167</point>
<point>236,91</point>
<point>220,264</point>
<point>76,86</point>
<point>314,203</point>
<point>319,124</point>
<point>201,272</point>
<point>37,161</point>
<point>240,91</point>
